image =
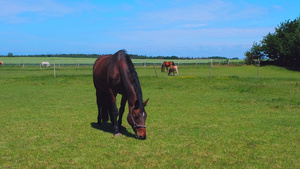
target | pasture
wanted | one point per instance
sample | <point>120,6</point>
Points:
<point>220,118</point>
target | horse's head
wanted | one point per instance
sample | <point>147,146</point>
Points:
<point>137,118</point>
<point>162,67</point>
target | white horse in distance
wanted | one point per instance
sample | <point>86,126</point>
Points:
<point>47,64</point>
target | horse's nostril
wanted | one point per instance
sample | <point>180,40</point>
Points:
<point>141,137</point>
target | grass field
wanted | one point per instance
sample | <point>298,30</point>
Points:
<point>229,120</point>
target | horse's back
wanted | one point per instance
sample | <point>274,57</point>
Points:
<point>106,72</point>
<point>100,71</point>
<point>100,63</point>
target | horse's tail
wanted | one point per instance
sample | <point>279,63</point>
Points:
<point>105,105</point>
<point>106,112</point>
<point>173,63</point>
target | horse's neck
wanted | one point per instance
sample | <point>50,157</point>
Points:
<point>129,87</point>
<point>131,96</point>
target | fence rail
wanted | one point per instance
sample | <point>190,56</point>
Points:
<point>201,68</point>
<point>136,62</point>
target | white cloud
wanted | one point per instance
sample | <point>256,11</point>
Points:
<point>179,37</point>
<point>198,26</point>
<point>203,12</point>
<point>195,12</point>
<point>193,25</point>
<point>16,11</point>
<point>280,8</point>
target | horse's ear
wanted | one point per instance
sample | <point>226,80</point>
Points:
<point>145,103</point>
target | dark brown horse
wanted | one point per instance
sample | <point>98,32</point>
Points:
<point>166,65</point>
<point>115,74</point>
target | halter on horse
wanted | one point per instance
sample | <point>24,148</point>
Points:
<point>113,74</point>
<point>166,65</point>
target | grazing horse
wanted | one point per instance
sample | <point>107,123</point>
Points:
<point>113,74</point>
<point>1,63</point>
<point>166,65</point>
<point>47,64</point>
<point>173,69</point>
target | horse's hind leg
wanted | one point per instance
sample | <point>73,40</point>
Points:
<point>104,105</point>
<point>99,104</point>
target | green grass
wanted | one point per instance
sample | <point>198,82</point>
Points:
<point>229,120</point>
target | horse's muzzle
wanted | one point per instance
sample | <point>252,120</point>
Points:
<point>141,137</point>
<point>141,133</point>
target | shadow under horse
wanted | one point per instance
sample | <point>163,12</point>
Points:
<point>112,75</point>
<point>106,127</point>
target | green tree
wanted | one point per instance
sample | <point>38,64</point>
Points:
<point>256,52</point>
<point>10,54</point>
<point>282,46</point>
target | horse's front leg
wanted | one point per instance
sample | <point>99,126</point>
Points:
<point>121,111</point>
<point>114,113</point>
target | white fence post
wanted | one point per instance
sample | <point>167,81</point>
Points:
<point>258,63</point>
<point>54,70</point>
<point>210,68</point>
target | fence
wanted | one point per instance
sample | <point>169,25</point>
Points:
<point>137,62</point>
<point>187,68</point>
<point>155,63</point>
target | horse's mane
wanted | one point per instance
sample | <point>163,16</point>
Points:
<point>134,76</point>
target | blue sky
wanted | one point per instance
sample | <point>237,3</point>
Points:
<point>184,28</point>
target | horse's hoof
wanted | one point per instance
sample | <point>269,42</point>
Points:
<point>120,128</point>
<point>117,134</point>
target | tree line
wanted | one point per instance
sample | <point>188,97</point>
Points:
<point>132,56</point>
<point>282,48</point>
